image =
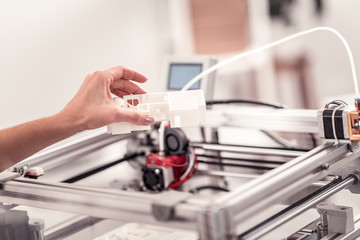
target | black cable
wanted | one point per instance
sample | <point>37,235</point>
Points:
<point>193,144</point>
<point>252,102</point>
<point>242,159</point>
<point>102,168</point>
<point>313,140</point>
<point>213,187</point>
<point>215,137</point>
<point>217,102</point>
<point>236,165</point>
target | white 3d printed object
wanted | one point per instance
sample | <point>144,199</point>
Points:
<point>182,109</point>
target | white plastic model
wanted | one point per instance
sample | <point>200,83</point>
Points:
<point>182,109</point>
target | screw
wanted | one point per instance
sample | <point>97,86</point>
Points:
<point>357,124</point>
<point>325,166</point>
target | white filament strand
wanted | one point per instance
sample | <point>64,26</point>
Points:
<point>273,44</point>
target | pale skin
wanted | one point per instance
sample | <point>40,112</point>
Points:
<point>92,107</point>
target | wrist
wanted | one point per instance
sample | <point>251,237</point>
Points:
<point>71,123</point>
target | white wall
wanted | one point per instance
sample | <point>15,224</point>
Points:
<point>48,47</point>
<point>329,70</point>
<point>331,67</point>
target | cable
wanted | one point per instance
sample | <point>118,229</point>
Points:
<point>333,124</point>
<point>189,169</point>
<point>252,160</point>
<point>273,44</point>
<point>313,139</point>
<point>102,168</point>
<point>213,187</point>
<point>230,101</point>
<point>237,165</point>
<point>340,104</point>
<point>195,144</point>
<point>169,163</point>
<point>336,102</point>
<point>277,139</point>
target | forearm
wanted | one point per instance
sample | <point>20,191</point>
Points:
<point>20,142</point>
<point>92,107</point>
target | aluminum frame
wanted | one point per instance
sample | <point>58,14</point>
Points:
<point>221,217</point>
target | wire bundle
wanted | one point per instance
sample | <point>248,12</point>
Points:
<point>336,102</point>
<point>340,104</point>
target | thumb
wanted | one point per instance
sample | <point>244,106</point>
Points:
<point>135,117</point>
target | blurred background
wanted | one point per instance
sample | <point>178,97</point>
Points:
<point>48,47</point>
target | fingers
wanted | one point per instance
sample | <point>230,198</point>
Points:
<point>124,87</point>
<point>135,117</point>
<point>121,93</point>
<point>121,72</point>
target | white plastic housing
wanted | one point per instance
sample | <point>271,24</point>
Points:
<point>181,108</point>
<point>206,83</point>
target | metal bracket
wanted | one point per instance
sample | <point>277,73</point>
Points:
<point>164,210</point>
<point>15,224</point>
<point>15,173</point>
<point>37,228</point>
<point>334,219</point>
<point>21,169</point>
<point>215,224</point>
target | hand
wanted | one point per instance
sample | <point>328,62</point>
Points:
<point>93,106</point>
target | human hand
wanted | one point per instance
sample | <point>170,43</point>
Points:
<point>93,107</point>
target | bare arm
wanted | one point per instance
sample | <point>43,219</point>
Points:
<point>92,107</point>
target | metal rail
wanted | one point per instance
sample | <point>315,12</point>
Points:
<point>233,209</point>
<point>226,212</point>
<point>353,234</point>
<point>282,152</point>
<point>297,208</point>
<point>95,202</point>
<point>85,143</point>
<point>291,120</point>
<point>227,174</point>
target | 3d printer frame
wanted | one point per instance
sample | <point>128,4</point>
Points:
<point>221,217</point>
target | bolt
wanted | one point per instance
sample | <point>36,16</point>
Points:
<point>325,166</point>
<point>357,124</point>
